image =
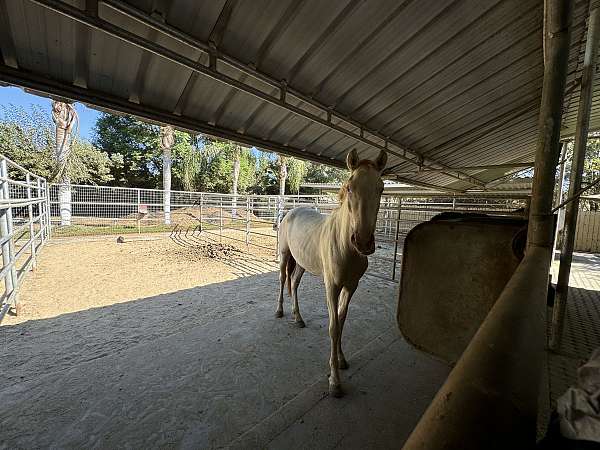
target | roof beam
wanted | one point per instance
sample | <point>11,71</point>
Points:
<point>485,167</point>
<point>211,72</point>
<point>56,89</point>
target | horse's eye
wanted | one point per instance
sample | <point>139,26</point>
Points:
<point>349,190</point>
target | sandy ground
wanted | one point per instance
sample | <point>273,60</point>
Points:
<point>149,344</point>
<point>140,267</point>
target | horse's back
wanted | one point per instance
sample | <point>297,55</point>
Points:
<point>300,232</point>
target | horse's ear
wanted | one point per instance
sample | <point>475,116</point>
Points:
<point>381,160</point>
<point>352,160</point>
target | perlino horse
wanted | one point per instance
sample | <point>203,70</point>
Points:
<point>335,247</point>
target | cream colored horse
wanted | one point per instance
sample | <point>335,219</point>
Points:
<point>335,247</point>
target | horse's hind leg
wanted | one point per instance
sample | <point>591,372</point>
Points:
<point>283,262</point>
<point>296,310</point>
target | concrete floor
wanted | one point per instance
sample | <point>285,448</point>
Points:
<point>211,367</point>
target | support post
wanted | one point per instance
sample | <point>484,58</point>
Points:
<point>572,208</point>
<point>559,199</point>
<point>220,220</point>
<point>201,204</point>
<point>397,236</point>
<point>31,227</point>
<point>9,286</point>
<point>247,224</point>
<point>7,231</point>
<point>41,210</point>
<point>490,398</point>
<point>48,211</point>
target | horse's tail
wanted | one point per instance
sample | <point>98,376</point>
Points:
<point>291,265</point>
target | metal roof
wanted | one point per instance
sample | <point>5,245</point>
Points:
<point>448,87</point>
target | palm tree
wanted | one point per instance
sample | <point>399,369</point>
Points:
<point>167,139</point>
<point>65,118</point>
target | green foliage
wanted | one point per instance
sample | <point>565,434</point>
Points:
<point>219,158</point>
<point>27,138</point>
<point>126,152</point>
<point>296,173</point>
<point>136,144</point>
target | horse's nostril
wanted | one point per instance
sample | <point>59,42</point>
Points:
<point>353,238</point>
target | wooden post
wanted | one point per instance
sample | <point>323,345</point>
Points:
<point>581,133</point>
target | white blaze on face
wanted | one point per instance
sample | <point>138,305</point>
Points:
<point>364,189</point>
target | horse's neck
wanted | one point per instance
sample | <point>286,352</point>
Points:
<point>342,227</point>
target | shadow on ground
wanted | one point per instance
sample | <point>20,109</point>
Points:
<point>211,367</point>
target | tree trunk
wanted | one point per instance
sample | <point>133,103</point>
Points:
<point>282,174</point>
<point>282,179</point>
<point>236,177</point>
<point>64,117</point>
<point>167,138</point>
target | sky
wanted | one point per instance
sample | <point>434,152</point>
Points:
<point>87,116</point>
<point>17,96</point>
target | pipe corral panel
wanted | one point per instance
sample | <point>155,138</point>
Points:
<point>454,269</point>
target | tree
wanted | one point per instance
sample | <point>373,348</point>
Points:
<point>283,173</point>
<point>28,138</point>
<point>136,144</point>
<point>296,173</point>
<point>65,118</point>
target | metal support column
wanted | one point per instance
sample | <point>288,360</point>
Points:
<point>6,231</point>
<point>559,198</point>
<point>581,133</point>
<point>397,237</point>
<point>247,224</point>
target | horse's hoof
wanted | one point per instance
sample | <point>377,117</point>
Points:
<point>343,364</point>
<point>278,314</point>
<point>335,390</point>
<point>299,323</point>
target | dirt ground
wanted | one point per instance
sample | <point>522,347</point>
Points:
<point>154,344</point>
<point>141,266</point>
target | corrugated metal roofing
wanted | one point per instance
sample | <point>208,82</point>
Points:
<point>442,84</point>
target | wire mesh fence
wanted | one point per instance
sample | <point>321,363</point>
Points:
<point>246,221</point>
<point>24,227</point>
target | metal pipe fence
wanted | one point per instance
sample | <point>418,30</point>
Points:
<point>24,227</point>
<point>248,221</point>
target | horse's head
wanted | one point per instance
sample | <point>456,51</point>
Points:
<point>362,194</point>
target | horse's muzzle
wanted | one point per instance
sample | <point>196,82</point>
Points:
<point>365,248</point>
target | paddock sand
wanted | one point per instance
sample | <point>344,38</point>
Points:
<point>150,345</point>
<point>142,266</point>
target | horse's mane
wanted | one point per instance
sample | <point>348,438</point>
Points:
<point>343,192</point>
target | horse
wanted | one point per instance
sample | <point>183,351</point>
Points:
<point>334,247</point>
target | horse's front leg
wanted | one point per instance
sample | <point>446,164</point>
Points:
<point>345,297</point>
<point>333,293</point>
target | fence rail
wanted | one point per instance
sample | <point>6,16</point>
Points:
<point>246,220</point>
<point>24,226</point>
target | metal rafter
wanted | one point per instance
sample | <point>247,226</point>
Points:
<point>65,91</point>
<point>211,71</point>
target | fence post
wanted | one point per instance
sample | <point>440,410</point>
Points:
<point>48,211</point>
<point>31,230</point>
<point>139,214</point>
<point>248,224</point>
<point>201,202</point>
<point>41,213</point>
<point>220,219</point>
<point>6,259</point>
<point>397,237</point>
<point>6,231</point>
